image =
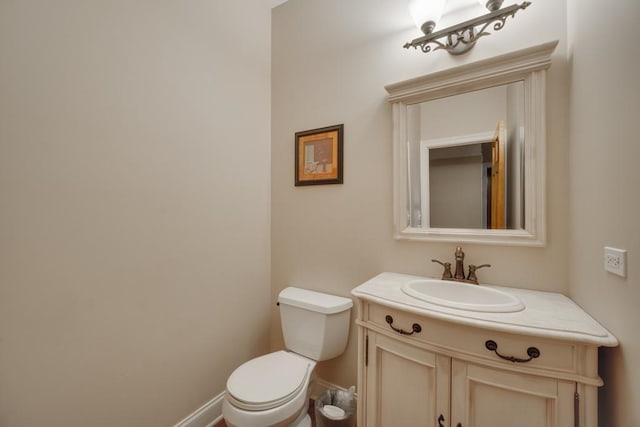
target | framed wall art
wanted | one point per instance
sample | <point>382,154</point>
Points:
<point>318,156</point>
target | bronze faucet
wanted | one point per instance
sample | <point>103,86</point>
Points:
<point>459,276</point>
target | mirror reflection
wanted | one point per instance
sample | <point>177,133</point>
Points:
<point>466,160</point>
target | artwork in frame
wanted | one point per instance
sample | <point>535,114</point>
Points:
<point>318,158</point>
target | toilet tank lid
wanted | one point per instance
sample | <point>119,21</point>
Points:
<point>314,301</point>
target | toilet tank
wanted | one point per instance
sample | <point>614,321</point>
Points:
<point>314,324</point>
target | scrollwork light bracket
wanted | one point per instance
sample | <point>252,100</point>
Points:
<point>459,38</point>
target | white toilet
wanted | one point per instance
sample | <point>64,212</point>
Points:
<point>273,390</point>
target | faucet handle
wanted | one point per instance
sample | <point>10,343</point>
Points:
<point>446,274</point>
<point>471,277</point>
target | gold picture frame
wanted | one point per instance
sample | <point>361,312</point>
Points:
<point>318,156</point>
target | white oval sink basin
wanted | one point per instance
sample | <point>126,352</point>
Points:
<point>462,296</point>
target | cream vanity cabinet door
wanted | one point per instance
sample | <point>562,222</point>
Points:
<point>407,386</point>
<point>418,367</point>
<point>483,396</point>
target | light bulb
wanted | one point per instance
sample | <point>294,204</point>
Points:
<point>491,5</point>
<point>426,13</point>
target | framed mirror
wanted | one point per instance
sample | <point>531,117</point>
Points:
<point>469,151</point>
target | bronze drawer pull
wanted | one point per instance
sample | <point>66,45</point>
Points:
<point>415,328</point>
<point>532,352</point>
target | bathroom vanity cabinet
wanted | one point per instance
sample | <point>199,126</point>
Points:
<point>426,365</point>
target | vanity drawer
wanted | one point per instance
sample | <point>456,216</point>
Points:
<point>461,340</point>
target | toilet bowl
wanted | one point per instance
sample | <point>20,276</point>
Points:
<point>273,390</point>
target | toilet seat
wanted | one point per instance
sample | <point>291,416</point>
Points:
<point>268,381</point>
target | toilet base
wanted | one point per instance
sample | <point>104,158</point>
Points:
<point>235,417</point>
<point>305,422</point>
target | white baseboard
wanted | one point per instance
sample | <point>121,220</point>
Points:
<point>211,412</point>
<point>321,386</point>
<point>206,416</point>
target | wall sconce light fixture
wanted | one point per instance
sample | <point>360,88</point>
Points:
<point>459,38</point>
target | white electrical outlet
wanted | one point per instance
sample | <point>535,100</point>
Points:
<point>615,261</point>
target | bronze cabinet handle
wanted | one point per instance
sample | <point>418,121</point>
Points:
<point>532,352</point>
<point>415,328</point>
<point>441,421</point>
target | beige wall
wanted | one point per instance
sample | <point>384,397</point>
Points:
<point>135,190</point>
<point>330,62</point>
<point>134,213</point>
<point>605,199</point>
